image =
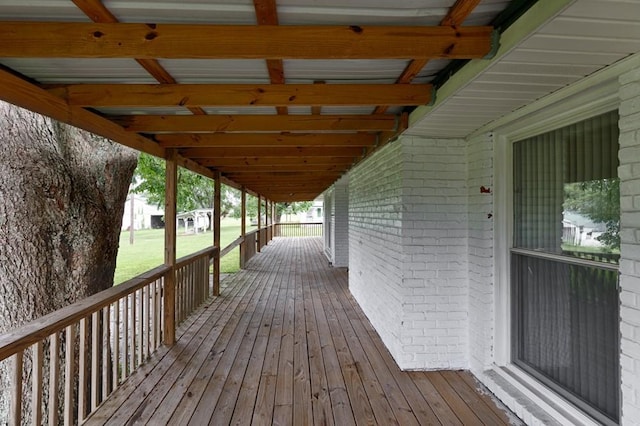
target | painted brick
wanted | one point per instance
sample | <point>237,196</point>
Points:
<point>415,189</point>
<point>629,173</point>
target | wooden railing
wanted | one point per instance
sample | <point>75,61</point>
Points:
<point>305,229</point>
<point>93,346</point>
<point>249,247</point>
<point>193,285</point>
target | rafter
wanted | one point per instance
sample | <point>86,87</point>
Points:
<point>155,95</point>
<point>290,151</point>
<point>282,174</point>
<point>26,95</point>
<point>152,41</point>
<point>97,12</point>
<point>275,161</point>
<point>456,15</point>
<point>257,123</point>
<point>459,12</point>
<point>196,140</point>
<point>267,14</point>
<point>284,168</point>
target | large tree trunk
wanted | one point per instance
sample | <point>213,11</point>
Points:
<point>62,194</point>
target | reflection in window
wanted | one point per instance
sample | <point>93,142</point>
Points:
<point>591,220</point>
<point>565,311</point>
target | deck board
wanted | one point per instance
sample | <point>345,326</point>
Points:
<point>285,343</point>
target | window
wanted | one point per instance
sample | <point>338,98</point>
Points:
<point>564,262</point>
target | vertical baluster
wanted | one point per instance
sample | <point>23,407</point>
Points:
<point>16,397</point>
<point>191,271</point>
<point>125,337</point>
<point>36,384</point>
<point>115,365</point>
<point>147,336</point>
<point>139,297</point>
<point>105,352</point>
<point>178,296</point>
<point>154,314</point>
<point>69,374</point>
<point>54,370</point>
<point>161,310</point>
<point>82,370</point>
<point>95,357</point>
<point>132,327</point>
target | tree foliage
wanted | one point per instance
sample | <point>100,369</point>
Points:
<point>281,208</point>
<point>194,191</point>
<point>599,200</point>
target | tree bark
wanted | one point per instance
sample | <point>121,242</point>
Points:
<point>62,194</point>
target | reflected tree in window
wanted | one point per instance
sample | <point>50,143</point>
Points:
<point>599,201</point>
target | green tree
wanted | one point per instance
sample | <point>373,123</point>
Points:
<point>281,208</point>
<point>194,191</point>
<point>599,200</point>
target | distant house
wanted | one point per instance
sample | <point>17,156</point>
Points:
<point>195,221</point>
<point>142,214</point>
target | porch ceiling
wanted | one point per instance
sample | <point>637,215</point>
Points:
<point>583,37</point>
<point>282,110</point>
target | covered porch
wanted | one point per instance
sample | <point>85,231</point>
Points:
<point>286,343</point>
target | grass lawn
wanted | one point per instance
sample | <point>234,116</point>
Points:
<point>147,251</point>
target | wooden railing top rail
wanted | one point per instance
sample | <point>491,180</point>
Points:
<point>39,329</point>
<point>297,223</point>
<point>255,231</point>
<point>206,252</point>
<point>235,243</point>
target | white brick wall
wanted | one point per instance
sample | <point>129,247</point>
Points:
<point>434,236</point>
<point>481,266</point>
<point>375,252</point>
<point>340,211</point>
<point>408,250</point>
<point>629,173</point>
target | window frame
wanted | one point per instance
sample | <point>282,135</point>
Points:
<point>554,112</point>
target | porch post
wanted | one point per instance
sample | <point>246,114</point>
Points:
<point>171,169</point>
<point>259,223</point>
<point>267,221</point>
<point>216,232</point>
<point>274,208</point>
<point>243,225</point>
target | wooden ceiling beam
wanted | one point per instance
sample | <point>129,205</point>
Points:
<point>199,140</point>
<point>267,14</point>
<point>292,182</point>
<point>256,123</point>
<point>291,151</point>
<point>158,95</point>
<point>456,15</point>
<point>275,161</point>
<point>97,12</point>
<point>26,95</point>
<point>286,169</point>
<point>181,41</point>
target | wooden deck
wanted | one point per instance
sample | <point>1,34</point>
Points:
<point>285,343</point>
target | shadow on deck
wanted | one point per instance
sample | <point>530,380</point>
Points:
<point>285,343</point>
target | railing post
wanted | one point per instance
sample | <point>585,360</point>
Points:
<point>259,221</point>
<point>216,233</point>
<point>170,247</point>
<point>276,228</point>
<point>243,227</point>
